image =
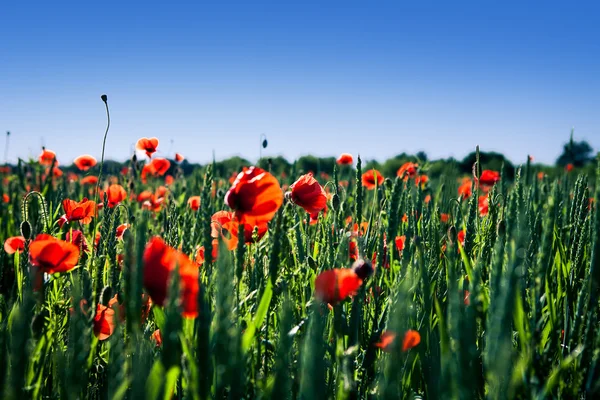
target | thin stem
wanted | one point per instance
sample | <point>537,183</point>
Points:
<point>104,99</point>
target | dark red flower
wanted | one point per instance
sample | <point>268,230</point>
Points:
<point>464,190</point>
<point>14,244</point>
<point>76,237</point>
<point>335,285</point>
<point>157,338</point>
<point>104,321</point>
<point>345,159</point>
<point>47,158</point>
<point>372,179</point>
<point>255,196</point>
<point>84,162</point>
<point>488,178</point>
<point>52,255</point>
<point>386,340</point>
<point>89,180</point>
<point>116,194</point>
<point>411,339</point>
<point>407,170</point>
<point>121,230</point>
<point>82,211</point>
<point>159,261</point>
<point>148,145</point>
<point>308,194</point>
<point>194,203</point>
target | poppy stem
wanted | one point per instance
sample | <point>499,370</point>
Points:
<point>6,148</point>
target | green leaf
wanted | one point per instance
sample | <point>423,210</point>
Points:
<point>259,317</point>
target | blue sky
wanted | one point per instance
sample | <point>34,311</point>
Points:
<point>375,78</point>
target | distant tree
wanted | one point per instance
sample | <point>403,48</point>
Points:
<point>422,156</point>
<point>577,153</point>
<point>489,160</point>
<point>315,165</point>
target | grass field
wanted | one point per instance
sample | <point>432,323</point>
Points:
<point>251,284</point>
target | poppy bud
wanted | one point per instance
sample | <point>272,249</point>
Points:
<point>363,269</point>
<point>388,183</point>
<point>131,185</point>
<point>452,235</point>
<point>264,143</point>
<point>104,98</point>
<point>501,228</point>
<point>220,193</point>
<point>134,158</point>
<point>105,295</point>
<point>335,202</point>
<point>26,230</point>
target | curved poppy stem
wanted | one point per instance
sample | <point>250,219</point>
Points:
<point>25,208</point>
<point>6,147</point>
<point>262,140</point>
<point>96,195</point>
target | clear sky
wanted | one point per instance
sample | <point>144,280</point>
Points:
<point>317,77</point>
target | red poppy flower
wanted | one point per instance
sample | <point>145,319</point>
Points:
<point>405,218</point>
<point>145,195</point>
<point>421,180</point>
<point>541,175</point>
<point>116,194</point>
<point>444,217</point>
<point>407,170</point>
<point>255,196</point>
<point>464,190</point>
<point>484,203</point>
<point>371,179</point>
<point>466,297</point>
<point>76,237</point>
<point>47,158</point>
<point>157,167</point>
<point>148,145</point>
<point>461,237</point>
<point>84,162</point>
<point>194,203</point>
<point>345,159</point>
<point>89,180</point>
<point>386,340</point>
<point>200,252</point>
<point>353,249</point>
<point>72,177</point>
<point>308,194</point>
<point>56,172</point>
<point>5,198</point>
<point>169,180</point>
<point>400,242</point>
<point>161,191</point>
<point>157,338</point>
<point>335,285</point>
<point>5,169</point>
<point>153,203</point>
<point>104,321</point>
<point>489,178</point>
<point>14,244</point>
<point>52,255</point>
<point>569,167</point>
<point>82,211</point>
<point>411,339</point>
<point>121,230</point>
<point>179,157</point>
<point>159,261</point>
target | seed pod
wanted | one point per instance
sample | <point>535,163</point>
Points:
<point>363,268</point>
<point>26,230</point>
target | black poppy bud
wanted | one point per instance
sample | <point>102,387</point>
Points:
<point>134,158</point>
<point>335,202</point>
<point>26,230</point>
<point>452,235</point>
<point>264,143</point>
<point>501,228</point>
<point>220,193</point>
<point>105,295</point>
<point>363,269</point>
<point>104,98</point>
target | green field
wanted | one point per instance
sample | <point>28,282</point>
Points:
<point>308,280</point>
